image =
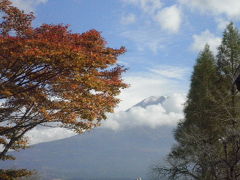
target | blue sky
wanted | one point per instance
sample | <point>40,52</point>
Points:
<point>163,37</point>
<point>130,23</point>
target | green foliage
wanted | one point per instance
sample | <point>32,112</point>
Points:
<point>208,139</point>
<point>201,97</point>
<point>228,57</point>
<point>196,134</point>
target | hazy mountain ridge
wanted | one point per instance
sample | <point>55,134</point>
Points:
<point>100,153</point>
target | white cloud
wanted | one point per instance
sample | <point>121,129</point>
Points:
<point>152,84</point>
<point>142,86</point>
<point>171,71</point>
<point>44,134</point>
<point>28,5</point>
<point>168,113</point>
<point>128,19</point>
<point>206,37</point>
<point>169,18</point>
<point>229,8</point>
<point>175,103</point>
<point>148,6</point>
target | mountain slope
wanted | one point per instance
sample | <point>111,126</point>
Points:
<point>98,154</point>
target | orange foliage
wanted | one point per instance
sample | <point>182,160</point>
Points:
<point>51,75</point>
<point>14,174</point>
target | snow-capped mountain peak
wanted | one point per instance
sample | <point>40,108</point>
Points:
<point>152,100</point>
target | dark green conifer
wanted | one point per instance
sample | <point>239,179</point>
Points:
<point>208,139</point>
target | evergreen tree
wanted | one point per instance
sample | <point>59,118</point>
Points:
<point>208,139</point>
<point>192,156</point>
<point>228,61</point>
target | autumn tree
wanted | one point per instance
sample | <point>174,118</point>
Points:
<point>52,77</point>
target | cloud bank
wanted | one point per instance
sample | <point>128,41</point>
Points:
<point>161,80</point>
<point>44,134</point>
<point>153,116</point>
<point>167,113</point>
<point>164,80</point>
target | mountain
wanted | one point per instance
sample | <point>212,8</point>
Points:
<point>100,154</point>
<point>152,100</point>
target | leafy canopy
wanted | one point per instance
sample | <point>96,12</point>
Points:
<point>53,77</point>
